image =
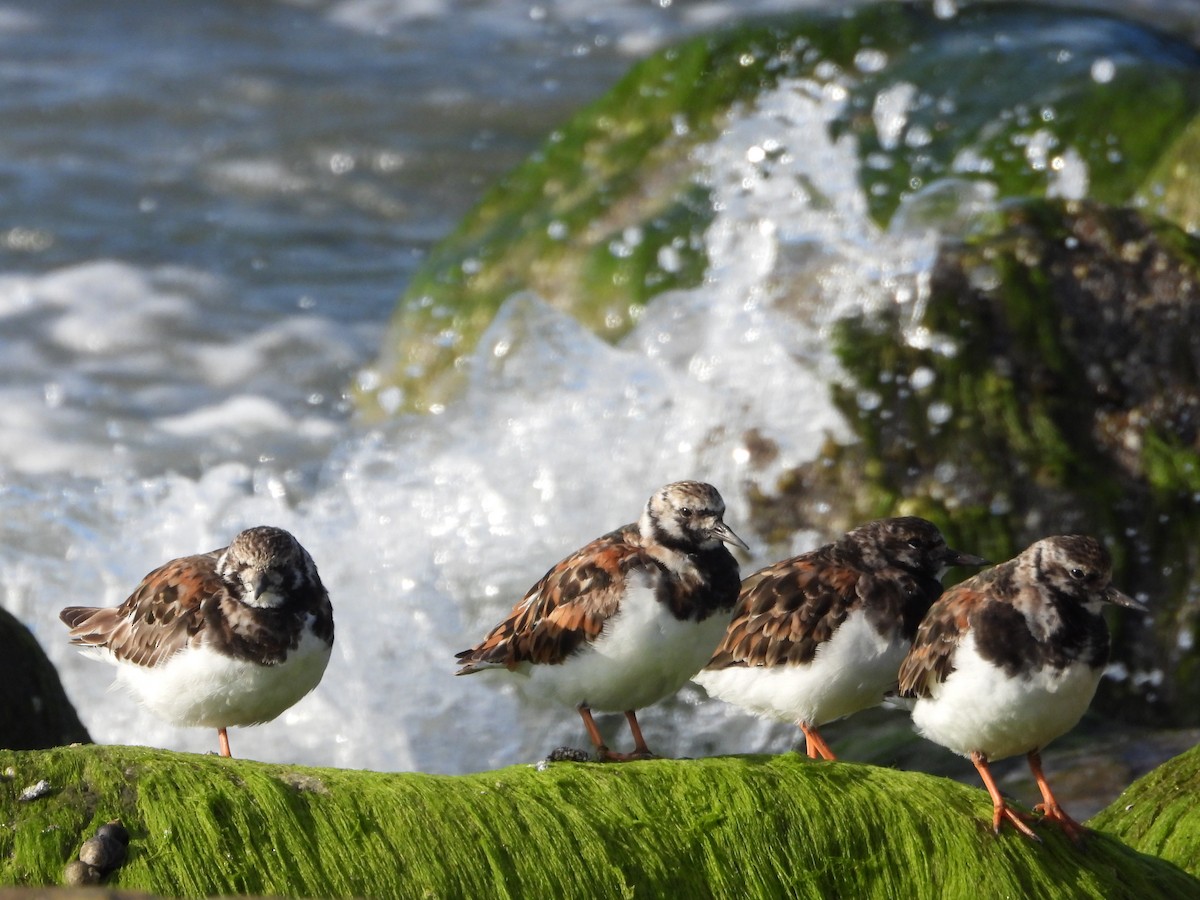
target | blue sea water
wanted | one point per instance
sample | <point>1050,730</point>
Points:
<point>207,213</point>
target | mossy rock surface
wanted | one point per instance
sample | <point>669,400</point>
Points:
<point>34,709</point>
<point>721,827</point>
<point>613,209</point>
<point>1171,189</point>
<point>1158,814</point>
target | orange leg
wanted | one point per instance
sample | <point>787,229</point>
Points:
<point>589,723</point>
<point>814,743</point>
<point>1049,807</point>
<point>640,750</point>
<point>1000,809</point>
<point>603,754</point>
<point>223,740</point>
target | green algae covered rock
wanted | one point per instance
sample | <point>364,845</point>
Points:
<point>1171,187</point>
<point>612,210</point>
<point>1158,813</point>
<point>725,827</point>
<point>34,709</point>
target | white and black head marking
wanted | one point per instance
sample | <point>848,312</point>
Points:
<point>263,564</point>
<point>688,516</point>
<point>1079,567</point>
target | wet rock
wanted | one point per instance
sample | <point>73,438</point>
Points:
<point>568,754</point>
<point>102,852</point>
<point>1158,813</point>
<point>680,828</point>
<point>34,709</point>
<point>114,831</point>
<point>99,855</point>
<point>80,874</point>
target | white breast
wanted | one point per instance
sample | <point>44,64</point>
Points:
<point>979,708</point>
<point>849,672</point>
<point>643,655</point>
<point>201,687</point>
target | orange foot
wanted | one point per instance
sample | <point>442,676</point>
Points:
<point>1049,808</point>
<point>1052,812</point>
<point>1000,809</point>
<point>814,743</point>
<point>603,754</point>
<point>1019,820</point>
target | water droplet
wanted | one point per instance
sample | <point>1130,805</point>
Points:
<point>921,378</point>
<point>1103,70</point>
<point>868,400</point>
<point>939,413</point>
<point>870,60</point>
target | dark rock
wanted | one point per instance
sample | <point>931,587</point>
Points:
<point>102,852</point>
<point>34,710</point>
<point>114,831</point>
<point>78,873</point>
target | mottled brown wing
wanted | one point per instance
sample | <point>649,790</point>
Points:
<point>566,608</point>
<point>158,619</point>
<point>931,659</point>
<point>786,611</point>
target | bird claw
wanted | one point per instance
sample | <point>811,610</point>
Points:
<point>603,754</point>
<point>1019,820</point>
<point>1076,832</point>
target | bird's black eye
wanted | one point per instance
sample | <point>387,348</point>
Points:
<point>1077,573</point>
<point>915,544</point>
<point>685,511</point>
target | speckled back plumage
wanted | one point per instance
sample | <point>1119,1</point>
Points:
<point>889,568</point>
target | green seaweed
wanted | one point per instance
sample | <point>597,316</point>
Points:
<point>722,827</point>
<point>1169,189</point>
<point>1158,813</point>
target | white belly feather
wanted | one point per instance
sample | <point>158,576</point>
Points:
<point>980,708</point>
<point>849,672</point>
<point>643,655</point>
<point>201,687</point>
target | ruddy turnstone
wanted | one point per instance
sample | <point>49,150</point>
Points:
<point>231,637</point>
<point>626,620</point>
<point>820,636</point>
<point>1008,660</point>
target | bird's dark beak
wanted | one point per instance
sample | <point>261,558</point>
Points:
<point>955,558</point>
<point>723,532</point>
<point>1112,595</point>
